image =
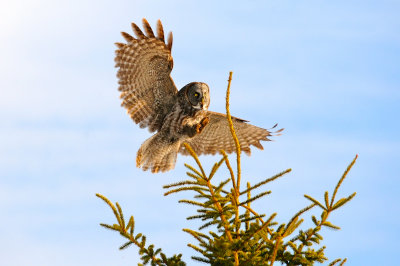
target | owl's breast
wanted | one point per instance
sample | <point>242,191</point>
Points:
<point>180,125</point>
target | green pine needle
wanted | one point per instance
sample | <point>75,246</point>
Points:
<point>342,178</point>
<point>255,198</point>
<point>191,202</point>
<point>194,170</point>
<point>326,196</point>
<point>343,201</point>
<point>315,201</point>
<point>330,225</point>
<point>266,181</point>
<point>127,244</point>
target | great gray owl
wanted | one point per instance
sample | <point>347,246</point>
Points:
<point>152,100</point>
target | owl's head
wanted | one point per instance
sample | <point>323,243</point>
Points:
<point>198,95</point>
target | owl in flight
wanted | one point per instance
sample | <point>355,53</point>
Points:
<point>152,100</point>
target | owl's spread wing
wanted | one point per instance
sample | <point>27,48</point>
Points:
<point>145,64</point>
<point>217,136</point>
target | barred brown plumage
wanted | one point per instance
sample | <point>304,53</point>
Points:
<point>152,100</point>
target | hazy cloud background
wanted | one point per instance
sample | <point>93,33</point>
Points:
<point>326,71</point>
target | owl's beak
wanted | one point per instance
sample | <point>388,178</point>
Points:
<point>202,102</point>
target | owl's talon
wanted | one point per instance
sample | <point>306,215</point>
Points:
<point>205,121</point>
<point>198,128</point>
<point>202,124</point>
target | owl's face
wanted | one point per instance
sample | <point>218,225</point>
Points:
<point>198,95</point>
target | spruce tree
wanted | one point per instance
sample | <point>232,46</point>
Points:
<point>232,232</point>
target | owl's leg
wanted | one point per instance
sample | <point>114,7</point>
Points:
<point>192,130</point>
<point>203,123</point>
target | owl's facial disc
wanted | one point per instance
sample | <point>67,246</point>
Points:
<point>198,95</point>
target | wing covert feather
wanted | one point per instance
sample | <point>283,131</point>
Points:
<point>217,136</point>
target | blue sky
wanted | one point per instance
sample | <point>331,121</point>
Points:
<point>326,71</point>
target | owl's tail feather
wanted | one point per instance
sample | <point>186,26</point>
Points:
<point>157,154</point>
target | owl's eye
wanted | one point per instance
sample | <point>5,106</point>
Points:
<point>196,95</point>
